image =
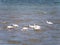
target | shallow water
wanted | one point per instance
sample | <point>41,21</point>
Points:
<point>23,15</point>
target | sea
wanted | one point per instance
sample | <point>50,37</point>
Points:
<point>30,12</point>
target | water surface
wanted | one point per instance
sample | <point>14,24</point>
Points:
<point>23,15</point>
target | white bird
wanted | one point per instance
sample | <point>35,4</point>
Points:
<point>15,25</point>
<point>35,26</point>
<point>48,22</point>
<point>24,29</point>
<point>31,26</point>
<point>12,26</point>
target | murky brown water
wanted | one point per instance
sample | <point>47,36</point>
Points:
<point>24,15</point>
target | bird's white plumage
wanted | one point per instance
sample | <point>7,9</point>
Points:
<point>31,26</point>
<point>12,26</point>
<point>15,25</point>
<point>48,22</point>
<point>24,29</point>
<point>35,26</point>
